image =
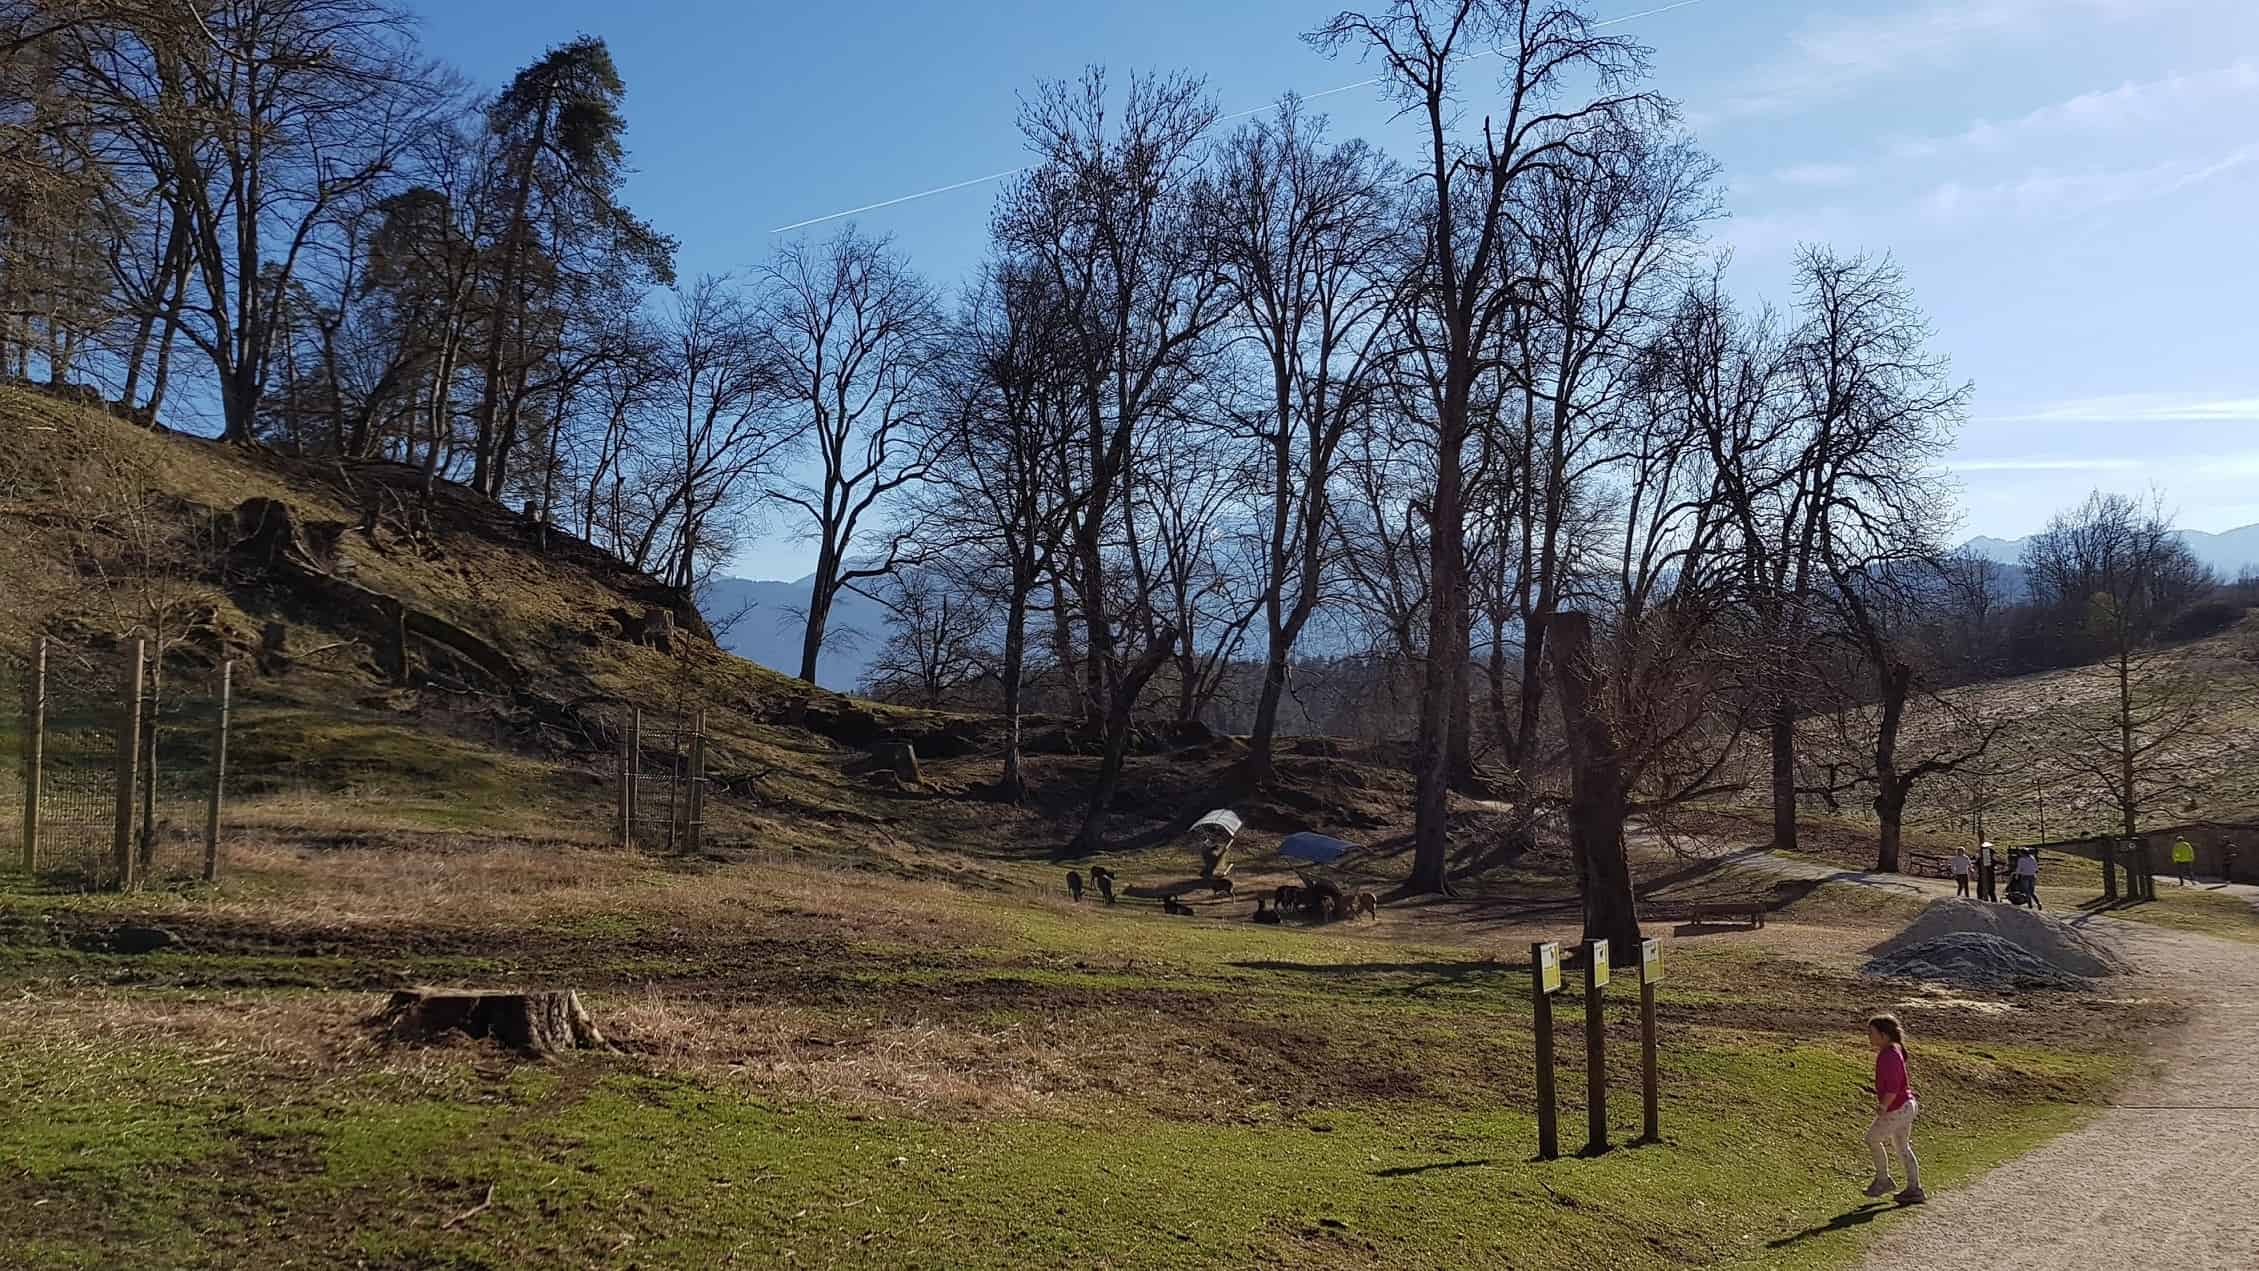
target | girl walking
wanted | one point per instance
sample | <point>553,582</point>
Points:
<point>1892,1132</point>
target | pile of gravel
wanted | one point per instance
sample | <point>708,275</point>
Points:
<point>1973,958</point>
<point>1995,946</point>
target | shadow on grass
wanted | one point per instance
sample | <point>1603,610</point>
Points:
<point>1844,1221</point>
<point>1444,972</point>
<point>1407,1171</point>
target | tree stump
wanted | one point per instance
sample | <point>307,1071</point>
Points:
<point>901,758</point>
<point>535,1024</point>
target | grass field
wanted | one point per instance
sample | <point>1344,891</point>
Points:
<point>818,1067</point>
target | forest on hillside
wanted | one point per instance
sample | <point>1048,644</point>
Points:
<point>1469,443</point>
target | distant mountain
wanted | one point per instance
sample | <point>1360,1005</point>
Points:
<point>2229,552</point>
<point>761,620</point>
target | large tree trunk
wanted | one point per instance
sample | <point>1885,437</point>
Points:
<point>1442,674</point>
<point>1784,775</point>
<point>1119,704</point>
<point>1013,785</point>
<point>1890,789</point>
<point>1260,741</point>
<point>1598,800</point>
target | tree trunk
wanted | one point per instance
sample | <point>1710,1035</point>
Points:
<point>1890,789</point>
<point>1598,799</point>
<point>1260,740</point>
<point>1784,775</point>
<point>1441,672</point>
<point>1013,785</point>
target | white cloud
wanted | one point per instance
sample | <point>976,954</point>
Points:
<point>1818,174</point>
<point>2132,105</point>
<point>2052,191</point>
<point>1830,55</point>
<point>2141,408</point>
<point>2046,465</point>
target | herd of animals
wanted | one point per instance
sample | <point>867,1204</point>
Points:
<point>1318,901</point>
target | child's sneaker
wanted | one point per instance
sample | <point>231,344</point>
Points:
<point>1912,1196</point>
<point>1878,1189</point>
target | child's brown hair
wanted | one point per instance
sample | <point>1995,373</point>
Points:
<point>1889,1027</point>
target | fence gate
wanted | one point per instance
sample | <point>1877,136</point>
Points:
<point>662,782</point>
<point>116,765</point>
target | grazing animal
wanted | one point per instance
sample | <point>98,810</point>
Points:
<point>1268,917</point>
<point>1288,896</point>
<point>1220,886</point>
<point>1074,884</point>
<point>1104,877</point>
<point>1323,900</point>
<point>1368,905</point>
<point>1171,905</point>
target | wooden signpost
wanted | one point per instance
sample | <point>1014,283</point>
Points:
<point>1545,981</point>
<point>1650,974</point>
<point>1595,1047</point>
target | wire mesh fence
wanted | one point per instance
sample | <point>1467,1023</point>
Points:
<point>110,764</point>
<point>662,786</point>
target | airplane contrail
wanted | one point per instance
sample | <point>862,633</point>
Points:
<point>1237,114</point>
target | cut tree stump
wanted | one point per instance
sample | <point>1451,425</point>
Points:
<point>537,1023</point>
<point>901,758</point>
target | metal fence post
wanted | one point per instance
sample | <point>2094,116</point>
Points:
<point>35,746</point>
<point>219,776</point>
<point>634,770</point>
<point>129,762</point>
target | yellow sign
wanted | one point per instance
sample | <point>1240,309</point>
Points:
<point>1651,961</point>
<point>1549,968</point>
<point>1598,950</point>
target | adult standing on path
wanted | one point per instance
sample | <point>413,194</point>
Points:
<point>1959,867</point>
<point>1987,888</point>
<point>2184,860</point>
<point>2027,875</point>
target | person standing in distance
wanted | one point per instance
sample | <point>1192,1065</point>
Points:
<point>1958,866</point>
<point>1987,888</point>
<point>2184,860</point>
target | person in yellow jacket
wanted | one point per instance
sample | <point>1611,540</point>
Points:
<point>2184,861</point>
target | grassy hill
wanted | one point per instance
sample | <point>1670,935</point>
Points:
<point>864,1027</point>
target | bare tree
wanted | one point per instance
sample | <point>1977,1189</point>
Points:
<point>1549,53</point>
<point>1312,244</point>
<point>2114,567</point>
<point>1112,215</point>
<point>935,646</point>
<point>852,333</point>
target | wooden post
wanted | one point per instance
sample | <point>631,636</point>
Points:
<point>35,748</point>
<point>620,793</point>
<point>219,776</point>
<point>1595,1047</point>
<point>696,817</point>
<point>129,765</point>
<point>634,770</point>
<point>1650,1082</point>
<point>1545,980</point>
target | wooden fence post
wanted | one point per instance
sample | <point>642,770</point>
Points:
<point>696,816</point>
<point>1595,1047</point>
<point>129,765</point>
<point>1545,980</point>
<point>219,776</point>
<point>1650,1080</point>
<point>35,751</point>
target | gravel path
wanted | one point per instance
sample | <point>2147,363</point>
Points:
<point>2167,1178</point>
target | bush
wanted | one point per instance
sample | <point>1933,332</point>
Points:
<point>2203,618</point>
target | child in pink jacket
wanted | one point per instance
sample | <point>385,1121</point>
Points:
<point>1892,1131</point>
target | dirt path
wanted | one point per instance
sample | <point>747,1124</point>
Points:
<point>2167,1177</point>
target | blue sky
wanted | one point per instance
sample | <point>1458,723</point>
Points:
<point>2071,185</point>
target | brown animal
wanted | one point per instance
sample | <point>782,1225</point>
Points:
<point>1171,905</point>
<point>1368,905</point>
<point>1220,886</point>
<point>1104,877</point>
<point>1288,896</point>
<point>1074,884</point>
<point>1323,900</point>
<point>1268,917</point>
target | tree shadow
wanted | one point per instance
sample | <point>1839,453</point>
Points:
<point>1407,1171</point>
<point>1442,972</point>
<point>1844,1221</point>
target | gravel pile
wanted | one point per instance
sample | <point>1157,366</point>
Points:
<point>1995,946</point>
<point>1974,958</point>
